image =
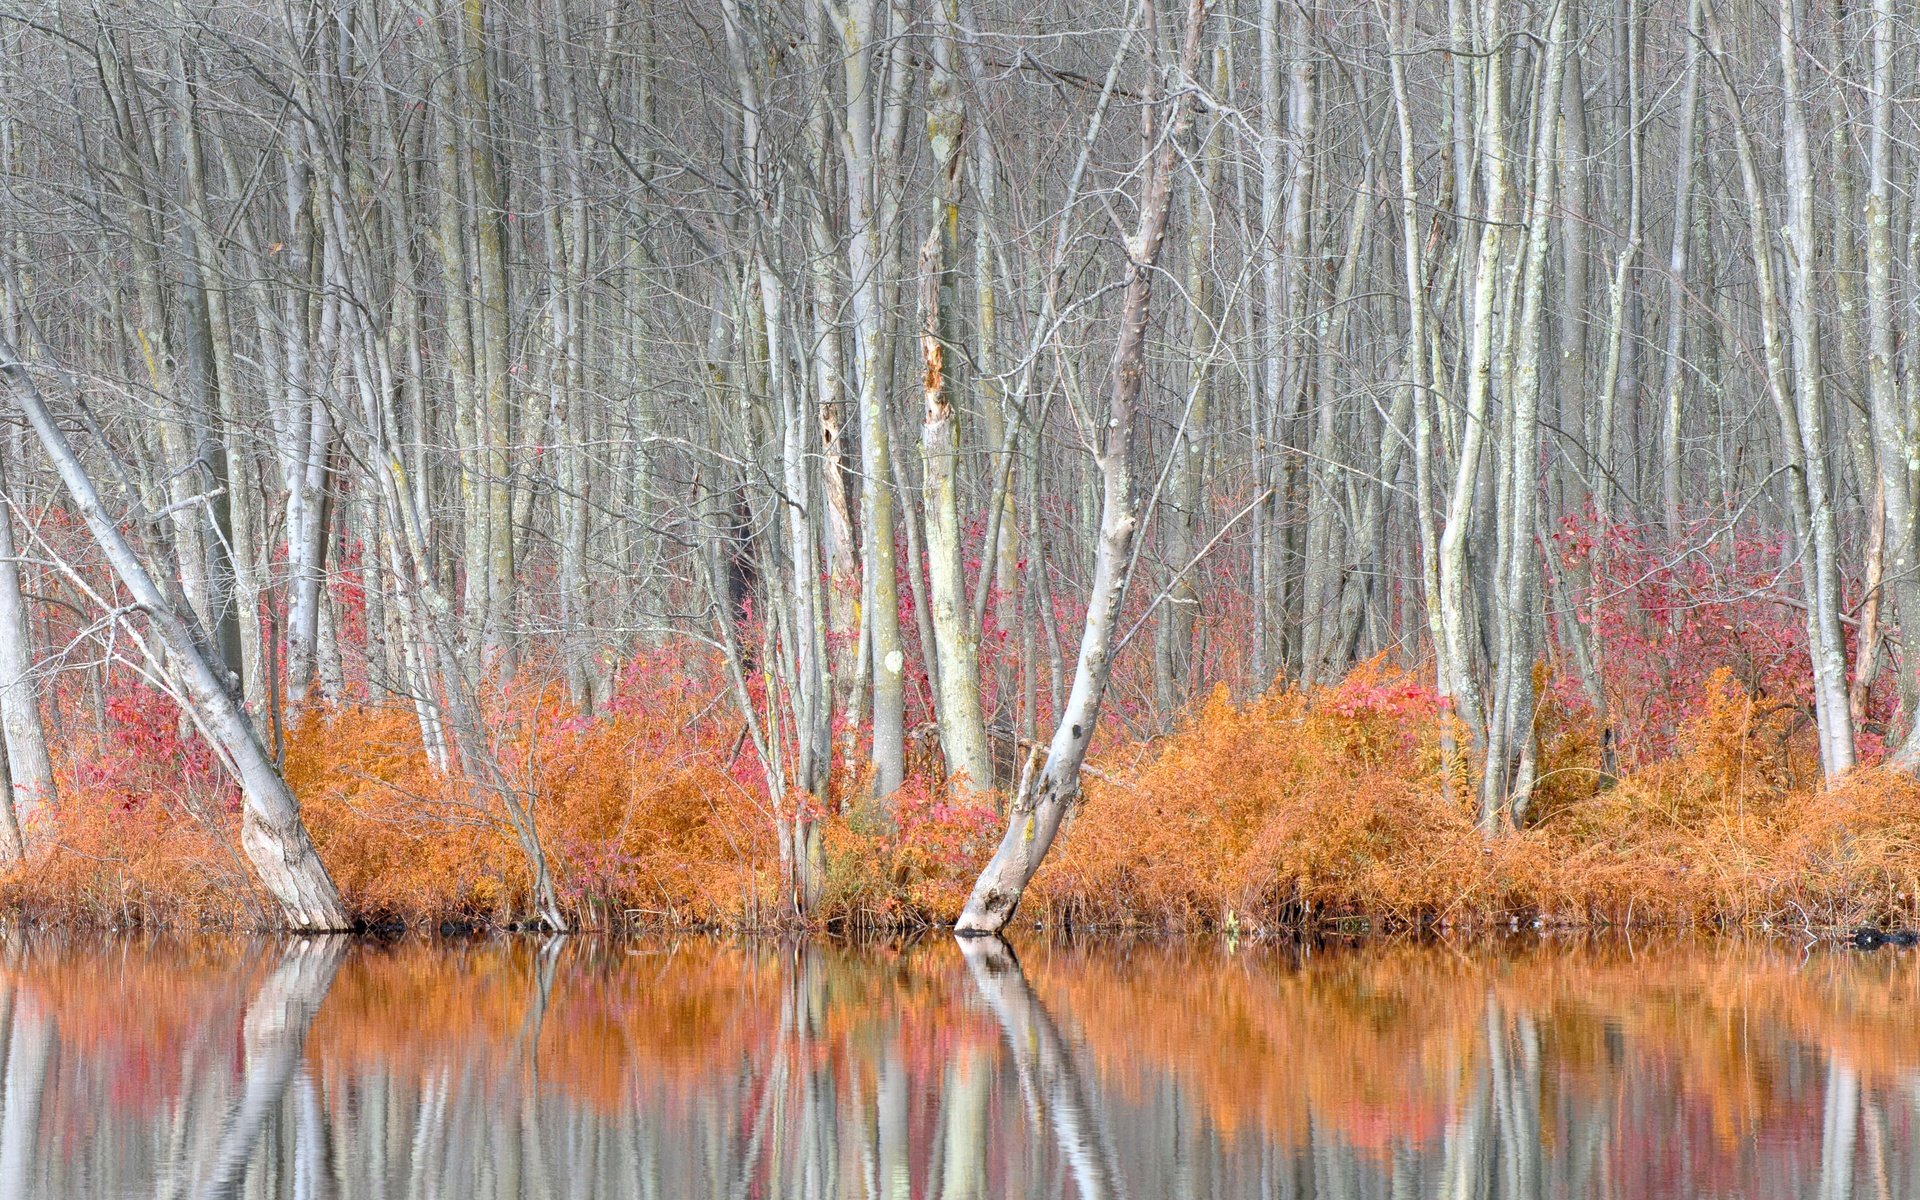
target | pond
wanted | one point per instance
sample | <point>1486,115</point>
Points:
<point>585,1067</point>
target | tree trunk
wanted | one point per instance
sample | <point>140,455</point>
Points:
<point>869,216</point>
<point>1821,550</point>
<point>1507,783</point>
<point>963,732</point>
<point>25,737</point>
<point>1674,385</point>
<point>1186,467</point>
<point>1896,447</point>
<point>1042,802</point>
<point>1457,611</point>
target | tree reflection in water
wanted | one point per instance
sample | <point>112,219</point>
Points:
<point>953,1071</point>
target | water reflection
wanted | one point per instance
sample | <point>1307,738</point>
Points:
<point>947,1071</point>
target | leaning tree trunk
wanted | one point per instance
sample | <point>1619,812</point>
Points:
<point>271,832</point>
<point>1039,805</point>
<point>274,1038</point>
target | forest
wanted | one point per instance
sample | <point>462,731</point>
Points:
<point>621,463</point>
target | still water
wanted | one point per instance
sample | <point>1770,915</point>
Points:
<point>596,1068</point>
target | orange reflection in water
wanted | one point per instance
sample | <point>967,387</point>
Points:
<point>1601,1068</point>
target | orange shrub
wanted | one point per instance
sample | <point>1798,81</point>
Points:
<point>916,872</point>
<point>624,831</point>
<point>671,837</point>
<point>398,838</point>
<point>1303,802</point>
<point>1320,804</point>
<point>1852,854</point>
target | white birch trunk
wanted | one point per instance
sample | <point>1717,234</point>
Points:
<point>1897,450</point>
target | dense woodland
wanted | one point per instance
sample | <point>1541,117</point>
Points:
<point>597,460</point>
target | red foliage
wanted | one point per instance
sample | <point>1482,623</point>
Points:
<point>1665,613</point>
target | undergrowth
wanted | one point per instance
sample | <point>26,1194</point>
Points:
<point>1297,809</point>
